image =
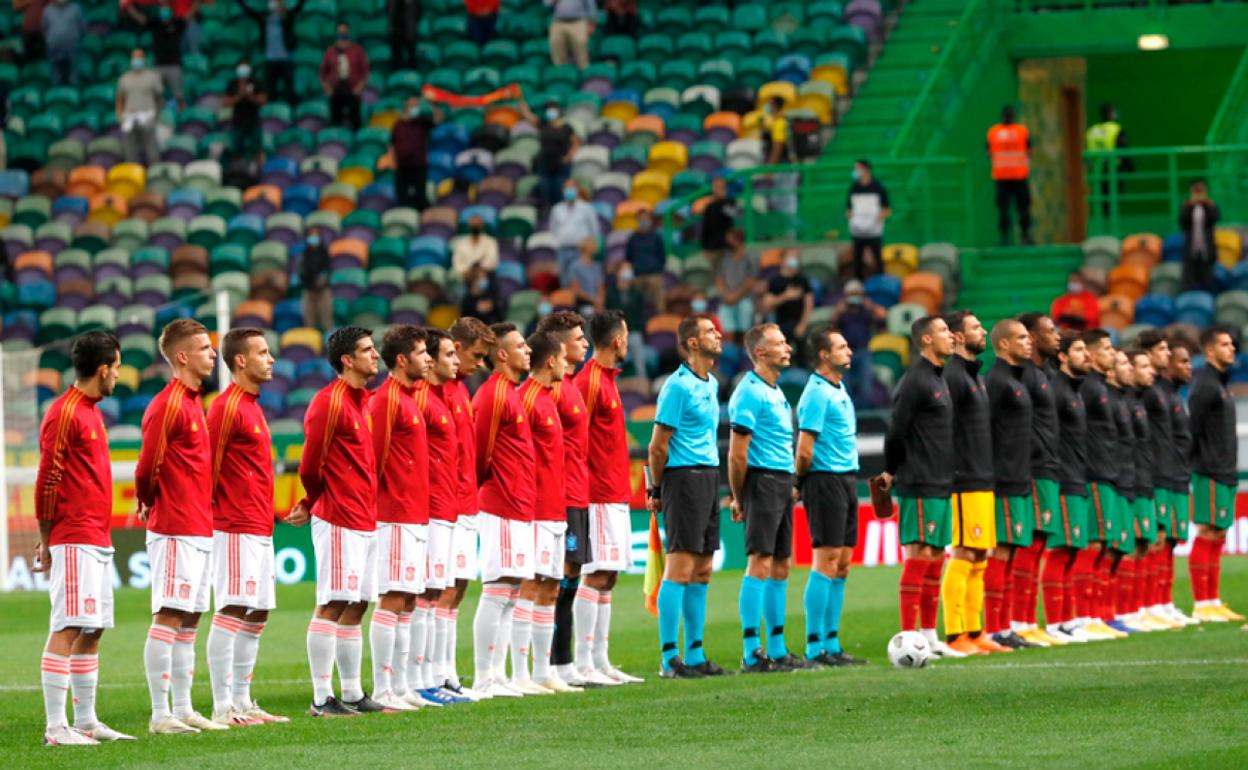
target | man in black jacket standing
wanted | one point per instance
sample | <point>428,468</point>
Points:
<point>277,33</point>
<point>1174,484</point>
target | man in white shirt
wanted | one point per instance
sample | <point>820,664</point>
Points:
<point>867,208</point>
<point>572,221</point>
<point>477,249</point>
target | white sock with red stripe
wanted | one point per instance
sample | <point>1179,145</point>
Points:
<point>381,635</point>
<point>221,639</point>
<point>349,655</point>
<point>322,642</point>
<point>183,671</point>
<point>158,665</point>
<point>422,626</point>
<point>442,627</point>
<point>543,638</point>
<point>502,642</point>
<point>452,648</point>
<point>402,649</point>
<point>54,673</point>
<point>521,638</point>
<point>246,650</point>
<point>602,631</point>
<point>430,666</point>
<point>84,677</point>
<point>585,615</point>
<point>494,598</point>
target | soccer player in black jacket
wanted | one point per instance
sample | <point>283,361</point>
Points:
<point>1174,485</point>
<point>1121,539</point>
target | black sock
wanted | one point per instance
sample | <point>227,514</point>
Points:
<point>561,654</point>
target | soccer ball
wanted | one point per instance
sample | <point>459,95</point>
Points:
<point>909,649</point>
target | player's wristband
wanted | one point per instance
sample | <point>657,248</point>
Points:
<point>655,492</point>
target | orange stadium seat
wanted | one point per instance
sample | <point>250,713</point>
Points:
<point>924,289</point>
<point>1144,248</point>
<point>86,181</point>
<point>1130,279</point>
<point>1117,311</point>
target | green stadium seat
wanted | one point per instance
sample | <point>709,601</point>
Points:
<point>97,318</point>
<point>137,350</point>
<point>720,73</point>
<point>228,257</point>
<point>674,19</point>
<point>206,230</point>
<point>56,323</point>
<point>235,284</point>
<point>400,222</point>
<point>656,47</point>
<point>618,47</point>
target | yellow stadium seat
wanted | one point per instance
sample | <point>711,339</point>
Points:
<point>752,125</point>
<point>129,377</point>
<point>651,187</point>
<point>818,104</point>
<point>621,111</point>
<point>781,88</point>
<point>442,316</point>
<point>891,343</point>
<point>126,180</point>
<point>833,74</point>
<point>384,119</point>
<point>901,259</point>
<point>626,213</point>
<point>356,176</point>
<point>669,157</point>
<point>302,337</point>
<point>1230,246</point>
<point>108,208</point>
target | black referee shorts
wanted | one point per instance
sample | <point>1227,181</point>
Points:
<point>690,504</point>
<point>832,509</point>
<point>576,542</point>
<point>768,506</point>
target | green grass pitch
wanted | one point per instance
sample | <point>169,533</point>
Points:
<point>1166,699</point>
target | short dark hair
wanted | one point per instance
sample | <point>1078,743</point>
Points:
<point>777,101</point>
<point>1067,338</point>
<point>922,326</point>
<point>235,343</point>
<point>561,323</point>
<point>604,326</point>
<point>176,332</point>
<point>1091,337</point>
<point>1178,341</point>
<point>1150,338</point>
<point>754,337</point>
<point>1134,351</point>
<point>819,339</point>
<point>1030,320</point>
<point>1107,111</point>
<point>1210,336</point>
<point>955,320</point>
<point>688,327</point>
<point>401,340</point>
<point>467,330</point>
<point>864,163</point>
<point>433,341</point>
<point>500,330</point>
<point>342,343</point>
<point>542,346</point>
<point>92,350</point>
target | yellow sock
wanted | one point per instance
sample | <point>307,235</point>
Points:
<point>972,609</point>
<point>953,592</point>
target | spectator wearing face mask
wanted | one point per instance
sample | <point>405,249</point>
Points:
<point>33,47</point>
<point>481,298</point>
<point>1199,218</point>
<point>586,279</point>
<point>558,143</point>
<point>736,280</point>
<point>1078,308</point>
<point>476,249</point>
<point>647,253</point>
<point>627,297</point>
<point>139,96</point>
<point>571,27</point>
<point>404,27</point>
<point>64,26</point>
<point>318,300</point>
<point>790,300</point>
<point>719,216</point>
<point>344,76</point>
<point>167,30</point>
<point>867,208</point>
<point>572,221</point>
<point>409,141</point>
<point>246,97</point>
<point>858,318</point>
<point>277,34</point>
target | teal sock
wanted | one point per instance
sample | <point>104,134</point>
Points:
<point>695,622</point>
<point>816,601</point>
<point>750,605</point>
<point>773,612</point>
<point>832,621</point>
<point>671,599</point>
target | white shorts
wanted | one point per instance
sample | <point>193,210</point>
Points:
<point>464,548</point>
<point>181,572</point>
<point>401,558</point>
<point>242,571</point>
<point>506,548</point>
<point>610,537</point>
<point>549,536</point>
<point>81,587</point>
<point>346,563</point>
<point>441,540</point>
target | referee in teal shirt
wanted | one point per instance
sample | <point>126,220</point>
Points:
<point>827,472</point>
<point>760,476</point>
<point>684,468</point>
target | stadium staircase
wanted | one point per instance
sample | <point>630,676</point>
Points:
<point>1005,281</point>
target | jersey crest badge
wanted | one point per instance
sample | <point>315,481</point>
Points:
<point>353,582</point>
<point>415,420</point>
<point>443,421</point>
<point>410,572</point>
<point>549,421</point>
<point>251,588</point>
<point>576,410</point>
<point>184,591</point>
<point>88,606</point>
<point>93,436</point>
<point>194,427</point>
<point>255,429</point>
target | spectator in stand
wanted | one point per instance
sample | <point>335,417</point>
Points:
<point>277,33</point>
<point>167,32</point>
<point>188,12</point>
<point>246,97</point>
<point>867,208</point>
<point>33,48</point>
<point>571,27</point>
<point>344,75</point>
<point>482,20</point>
<point>404,32</point>
<point>481,299</point>
<point>477,249</point>
<point>790,300</point>
<point>409,141</point>
<point>647,253</point>
<point>64,26</point>
<point>718,218</point>
<point>1078,308</point>
<point>135,14</point>
<point>572,222</point>
<point>4,121</point>
<point>139,96</point>
<point>736,280</point>
<point>318,299</point>
<point>1198,218</point>
<point>586,279</point>
<point>626,296</point>
<point>622,19</point>
<point>858,318</point>
<point>558,144</point>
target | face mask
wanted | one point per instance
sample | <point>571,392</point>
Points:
<point>854,299</point>
<point>545,308</point>
<point>552,114</point>
<point>625,275</point>
<point>856,174</point>
<point>137,63</point>
<point>569,194</point>
<point>166,14</point>
<point>243,71</point>
<point>483,284</point>
<point>792,263</point>
<point>414,111</point>
<point>1074,287</point>
<point>644,225</point>
<point>343,37</point>
<point>314,240</point>
<point>698,305</point>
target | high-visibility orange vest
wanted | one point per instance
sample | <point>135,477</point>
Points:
<point>1007,145</point>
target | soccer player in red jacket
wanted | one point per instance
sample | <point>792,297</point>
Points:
<point>74,506</point>
<point>505,470</point>
<point>400,445</point>
<point>610,489</point>
<point>339,476</point>
<point>173,485</point>
<point>243,575</point>
<point>533,623</point>
<point>472,340</point>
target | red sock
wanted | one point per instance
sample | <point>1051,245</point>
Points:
<point>911,583</point>
<point>1167,572</point>
<point>1140,588</point>
<point>1157,579</point>
<point>1104,605</point>
<point>994,594</point>
<point>1083,580</point>
<point>1033,588</point>
<point>1124,589</point>
<point>1053,577</point>
<point>1198,567</point>
<point>1214,578</point>
<point>1023,568</point>
<point>929,597</point>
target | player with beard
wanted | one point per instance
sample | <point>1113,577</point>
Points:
<point>1174,490</point>
<point>1121,539</point>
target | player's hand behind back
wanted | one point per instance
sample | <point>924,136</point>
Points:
<point>299,514</point>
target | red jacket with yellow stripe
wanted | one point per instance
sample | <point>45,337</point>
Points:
<point>174,474</point>
<point>74,485</point>
<point>338,470</point>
